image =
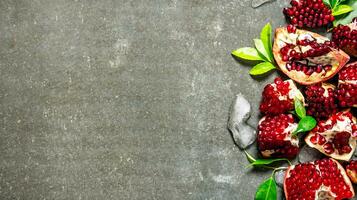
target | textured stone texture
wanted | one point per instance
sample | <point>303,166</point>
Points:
<point>125,99</point>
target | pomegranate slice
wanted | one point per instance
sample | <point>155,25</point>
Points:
<point>345,37</point>
<point>321,100</point>
<point>306,57</point>
<point>319,180</point>
<point>351,170</point>
<point>347,86</point>
<point>336,136</point>
<point>278,97</point>
<point>275,138</point>
<point>308,13</point>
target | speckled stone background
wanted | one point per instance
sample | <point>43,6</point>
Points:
<point>125,99</point>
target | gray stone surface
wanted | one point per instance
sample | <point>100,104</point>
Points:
<point>125,99</point>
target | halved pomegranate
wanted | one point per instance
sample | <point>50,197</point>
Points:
<point>278,97</point>
<point>347,86</point>
<point>336,136</point>
<point>351,170</point>
<point>345,37</point>
<point>275,136</point>
<point>306,57</point>
<point>320,180</point>
<point>321,100</point>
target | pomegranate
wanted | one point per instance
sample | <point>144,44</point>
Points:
<point>321,100</point>
<point>278,97</point>
<point>308,13</point>
<point>347,86</point>
<point>345,37</point>
<point>336,136</point>
<point>319,180</point>
<point>275,136</point>
<point>306,57</point>
<point>351,170</point>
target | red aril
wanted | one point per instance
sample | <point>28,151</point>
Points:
<point>345,37</point>
<point>347,86</point>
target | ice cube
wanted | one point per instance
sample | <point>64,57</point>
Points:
<point>257,3</point>
<point>308,154</point>
<point>243,134</point>
<point>279,177</point>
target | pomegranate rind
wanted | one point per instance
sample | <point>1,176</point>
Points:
<point>329,132</point>
<point>352,175</point>
<point>341,169</point>
<point>349,82</point>
<point>340,58</point>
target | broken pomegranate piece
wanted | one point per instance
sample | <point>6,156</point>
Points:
<point>278,97</point>
<point>345,37</point>
<point>308,13</point>
<point>319,180</point>
<point>321,100</point>
<point>335,137</point>
<point>347,86</point>
<point>351,170</point>
<point>307,57</point>
<point>275,136</point>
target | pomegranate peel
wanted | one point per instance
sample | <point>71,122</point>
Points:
<point>351,170</point>
<point>306,57</point>
<point>336,136</point>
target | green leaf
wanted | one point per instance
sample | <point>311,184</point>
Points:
<point>299,108</point>
<point>265,36</point>
<point>341,9</point>
<point>250,158</point>
<point>333,3</point>
<point>247,53</point>
<point>267,190</point>
<point>261,68</point>
<point>346,19</point>
<point>261,49</point>
<point>305,124</point>
<point>263,162</point>
<point>327,2</point>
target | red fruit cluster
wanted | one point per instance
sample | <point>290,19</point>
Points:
<point>325,179</point>
<point>308,13</point>
<point>276,98</point>
<point>347,86</point>
<point>345,37</point>
<point>321,100</point>
<point>274,136</point>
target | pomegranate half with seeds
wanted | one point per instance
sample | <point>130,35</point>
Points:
<point>321,100</point>
<point>306,57</point>
<point>345,37</point>
<point>351,170</point>
<point>308,13</point>
<point>347,86</point>
<point>275,136</point>
<point>319,180</point>
<point>336,136</point>
<point>278,97</point>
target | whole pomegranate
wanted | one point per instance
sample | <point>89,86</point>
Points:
<point>308,13</point>
<point>319,180</point>
<point>336,136</point>
<point>345,37</point>
<point>351,170</point>
<point>275,138</point>
<point>321,100</point>
<point>347,86</point>
<point>278,97</point>
<point>306,57</point>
